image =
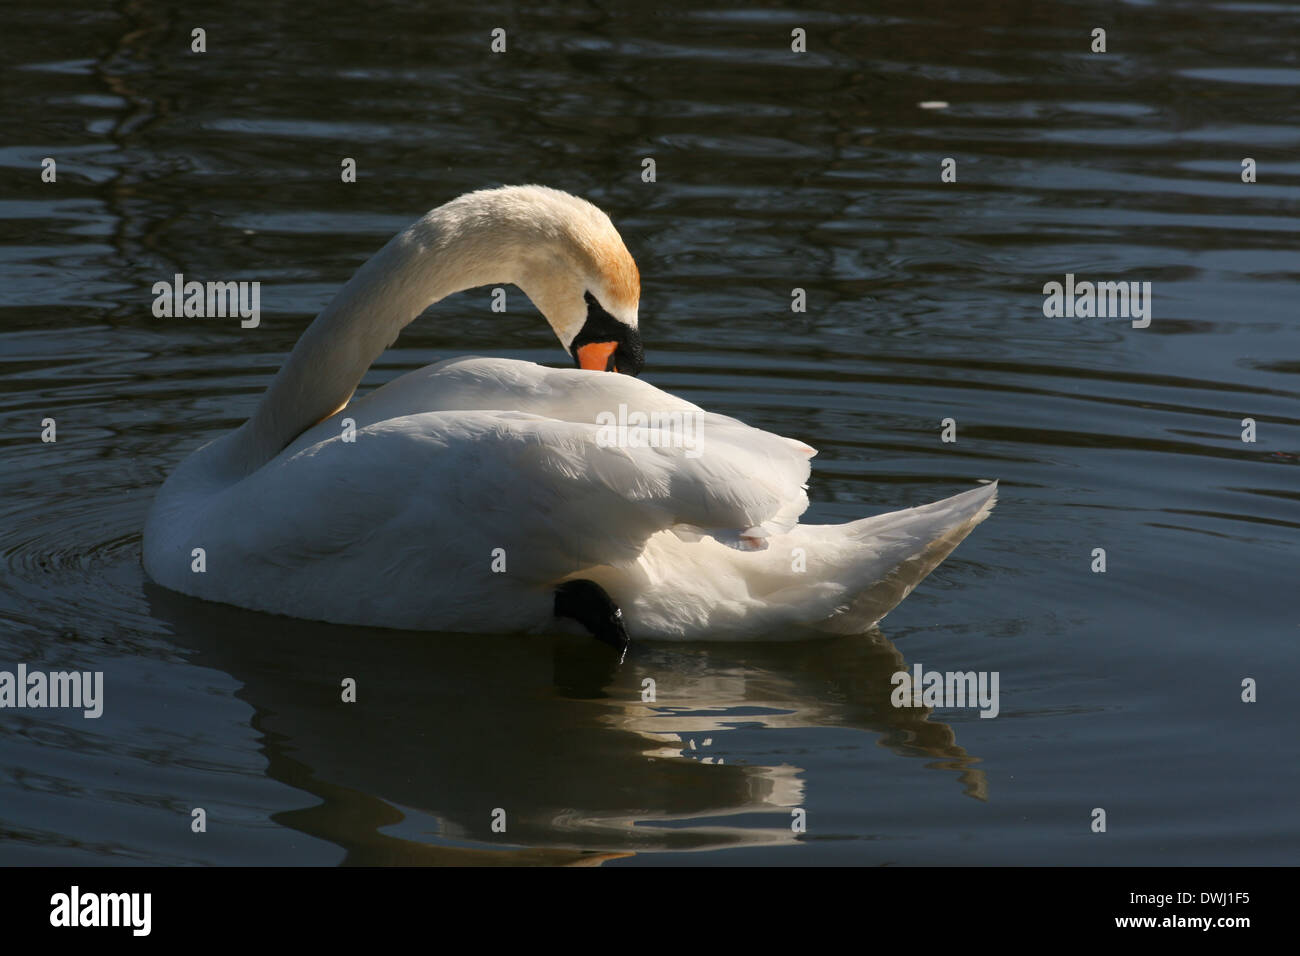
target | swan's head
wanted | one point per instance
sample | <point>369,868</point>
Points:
<point>568,258</point>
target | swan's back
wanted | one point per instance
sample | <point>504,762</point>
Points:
<point>404,519</point>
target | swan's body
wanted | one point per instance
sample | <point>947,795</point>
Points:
<point>470,489</point>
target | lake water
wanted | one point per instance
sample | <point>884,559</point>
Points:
<point>775,170</point>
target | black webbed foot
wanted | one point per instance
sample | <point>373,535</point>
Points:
<point>587,603</point>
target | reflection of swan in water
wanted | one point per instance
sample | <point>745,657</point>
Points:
<point>746,686</point>
<point>550,730</point>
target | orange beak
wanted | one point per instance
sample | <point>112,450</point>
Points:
<point>597,356</point>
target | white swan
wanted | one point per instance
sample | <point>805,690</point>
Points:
<point>474,492</point>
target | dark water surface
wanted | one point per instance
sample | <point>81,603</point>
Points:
<point>776,170</point>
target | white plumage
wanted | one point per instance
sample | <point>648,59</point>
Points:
<point>465,465</point>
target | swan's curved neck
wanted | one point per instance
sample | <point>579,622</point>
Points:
<point>426,262</point>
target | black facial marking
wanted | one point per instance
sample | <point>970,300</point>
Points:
<point>600,326</point>
<point>587,603</point>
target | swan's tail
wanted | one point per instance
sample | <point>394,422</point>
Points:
<point>895,553</point>
<point>837,579</point>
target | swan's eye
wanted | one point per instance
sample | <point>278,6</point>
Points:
<point>605,344</point>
